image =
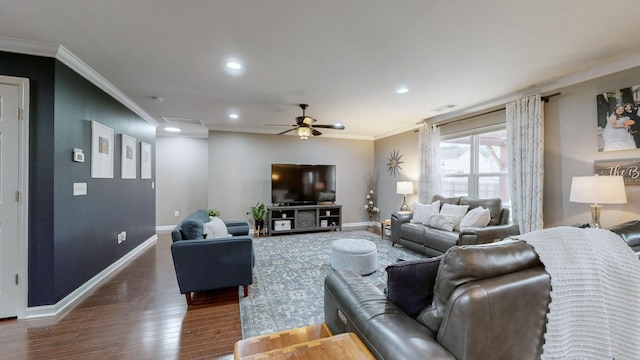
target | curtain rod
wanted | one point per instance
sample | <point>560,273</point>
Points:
<point>544,98</point>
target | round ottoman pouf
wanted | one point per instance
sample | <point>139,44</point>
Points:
<point>357,255</point>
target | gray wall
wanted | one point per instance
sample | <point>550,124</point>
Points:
<point>571,148</point>
<point>182,177</point>
<point>232,171</point>
<point>240,169</point>
<point>407,145</point>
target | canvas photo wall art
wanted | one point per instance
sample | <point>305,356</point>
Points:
<point>618,119</point>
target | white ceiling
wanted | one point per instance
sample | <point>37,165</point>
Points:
<point>344,58</point>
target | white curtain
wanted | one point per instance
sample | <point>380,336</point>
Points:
<point>525,143</point>
<point>429,162</point>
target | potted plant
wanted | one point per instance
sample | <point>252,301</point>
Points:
<point>213,212</point>
<point>258,212</point>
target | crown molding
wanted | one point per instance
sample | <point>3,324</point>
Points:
<point>400,130</point>
<point>28,47</point>
<point>66,57</point>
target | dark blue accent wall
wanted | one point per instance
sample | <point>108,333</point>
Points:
<point>73,238</point>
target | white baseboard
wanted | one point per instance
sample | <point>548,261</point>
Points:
<point>78,294</point>
<point>361,224</point>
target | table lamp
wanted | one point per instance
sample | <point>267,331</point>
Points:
<point>404,188</point>
<point>597,190</point>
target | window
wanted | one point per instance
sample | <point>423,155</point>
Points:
<point>476,165</point>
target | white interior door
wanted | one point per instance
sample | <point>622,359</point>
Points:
<point>10,247</point>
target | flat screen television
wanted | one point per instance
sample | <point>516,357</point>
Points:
<point>295,184</point>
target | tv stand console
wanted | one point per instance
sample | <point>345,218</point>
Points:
<point>303,218</point>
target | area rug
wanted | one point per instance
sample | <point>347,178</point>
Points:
<point>287,290</point>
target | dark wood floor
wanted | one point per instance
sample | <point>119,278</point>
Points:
<point>138,313</point>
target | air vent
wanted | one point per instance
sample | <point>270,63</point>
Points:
<point>182,121</point>
<point>444,107</point>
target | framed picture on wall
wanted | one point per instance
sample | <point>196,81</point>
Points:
<point>145,160</point>
<point>618,119</point>
<point>101,151</point>
<point>128,157</point>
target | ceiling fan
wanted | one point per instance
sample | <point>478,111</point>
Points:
<point>304,125</point>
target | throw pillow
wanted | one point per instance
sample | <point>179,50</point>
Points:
<point>192,229</point>
<point>456,210</point>
<point>216,229</point>
<point>421,212</point>
<point>476,217</point>
<point>418,210</point>
<point>410,284</point>
<point>442,222</point>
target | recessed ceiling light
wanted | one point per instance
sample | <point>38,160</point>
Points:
<point>172,129</point>
<point>234,116</point>
<point>234,65</point>
<point>403,90</point>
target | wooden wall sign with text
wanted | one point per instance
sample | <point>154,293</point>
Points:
<point>629,169</point>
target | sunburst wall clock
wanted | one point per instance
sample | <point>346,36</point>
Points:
<point>393,166</point>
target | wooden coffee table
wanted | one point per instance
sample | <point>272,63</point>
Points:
<point>309,342</point>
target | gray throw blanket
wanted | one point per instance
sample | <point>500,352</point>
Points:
<point>595,299</point>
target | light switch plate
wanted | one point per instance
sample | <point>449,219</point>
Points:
<point>79,189</point>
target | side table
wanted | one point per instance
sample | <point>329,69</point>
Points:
<point>384,224</point>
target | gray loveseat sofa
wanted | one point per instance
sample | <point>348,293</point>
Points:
<point>208,264</point>
<point>434,242</point>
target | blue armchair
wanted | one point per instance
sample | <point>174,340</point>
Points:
<point>208,264</point>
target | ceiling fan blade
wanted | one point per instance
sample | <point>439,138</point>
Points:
<point>315,132</point>
<point>335,126</point>
<point>305,120</point>
<point>286,131</point>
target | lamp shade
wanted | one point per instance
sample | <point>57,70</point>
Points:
<point>598,190</point>
<point>404,187</point>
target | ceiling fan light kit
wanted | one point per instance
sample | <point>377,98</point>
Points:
<point>303,133</point>
<point>304,125</point>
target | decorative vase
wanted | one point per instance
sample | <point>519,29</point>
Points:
<point>259,225</point>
